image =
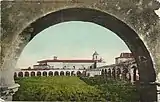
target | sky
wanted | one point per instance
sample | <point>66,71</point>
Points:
<point>72,40</point>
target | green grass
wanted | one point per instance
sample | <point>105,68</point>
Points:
<point>60,88</point>
<point>63,88</point>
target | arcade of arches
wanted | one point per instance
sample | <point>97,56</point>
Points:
<point>49,73</point>
<point>126,71</point>
<point>135,22</point>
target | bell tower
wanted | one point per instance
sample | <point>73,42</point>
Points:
<point>95,56</point>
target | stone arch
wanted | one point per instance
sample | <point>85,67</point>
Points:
<point>33,73</point>
<point>133,41</point>
<point>78,73</point>
<point>20,74</point>
<point>61,73</point>
<point>105,71</point>
<point>38,73</point>
<point>124,73</point>
<point>44,73</point>
<point>118,73</point>
<point>113,73</point>
<point>102,72</point>
<point>72,73</point>
<point>50,73</point>
<point>56,73</point>
<point>26,74</point>
<point>67,73</point>
<point>109,74</point>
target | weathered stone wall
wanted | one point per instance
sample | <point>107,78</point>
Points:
<point>138,14</point>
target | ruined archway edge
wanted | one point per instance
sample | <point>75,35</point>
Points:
<point>139,15</point>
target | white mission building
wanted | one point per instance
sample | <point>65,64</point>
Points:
<point>55,66</point>
<point>56,63</point>
<point>124,67</point>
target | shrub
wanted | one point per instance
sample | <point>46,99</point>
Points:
<point>115,90</point>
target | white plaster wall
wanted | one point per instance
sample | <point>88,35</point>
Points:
<point>56,64</point>
<point>69,65</point>
<point>101,64</point>
<point>41,67</point>
<point>93,73</point>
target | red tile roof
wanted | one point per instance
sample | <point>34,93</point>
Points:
<point>70,61</point>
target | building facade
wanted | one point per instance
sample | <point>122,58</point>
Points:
<point>70,67</point>
<point>124,68</point>
<point>124,57</point>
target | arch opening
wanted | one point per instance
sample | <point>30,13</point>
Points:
<point>102,72</point>
<point>62,73</point>
<point>33,74</point>
<point>50,73</point>
<point>79,73</point>
<point>109,74</point>
<point>113,73</point>
<point>20,74</point>
<point>26,74</point>
<point>38,73</point>
<point>44,73</point>
<point>67,73</point>
<point>132,40</point>
<point>56,73</point>
<point>15,75</point>
<point>72,73</point>
<point>118,73</point>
